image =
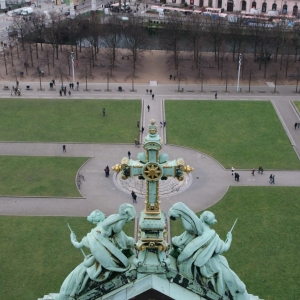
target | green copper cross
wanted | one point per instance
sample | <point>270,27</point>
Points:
<point>152,166</point>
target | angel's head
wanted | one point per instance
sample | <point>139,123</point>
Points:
<point>208,217</point>
<point>96,216</point>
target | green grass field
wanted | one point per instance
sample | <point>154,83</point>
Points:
<point>37,254</point>
<point>243,134</point>
<point>69,120</point>
<point>39,176</point>
<point>263,252</point>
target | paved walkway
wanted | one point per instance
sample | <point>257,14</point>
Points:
<point>210,180</point>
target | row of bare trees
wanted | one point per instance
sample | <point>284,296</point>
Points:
<point>41,42</point>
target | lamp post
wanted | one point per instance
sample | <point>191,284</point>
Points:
<point>238,82</point>
<point>72,59</point>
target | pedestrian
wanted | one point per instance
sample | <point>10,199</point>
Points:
<point>103,112</point>
<point>77,85</point>
<point>148,107</point>
<point>165,123</point>
<point>69,93</point>
<point>253,172</point>
<point>11,92</point>
<point>138,124</point>
<point>64,148</point>
<point>129,153</point>
<point>260,170</point>
<point>150,92</point>
<point>106,170</point>
<point>70,85</point>
<point>296,125</point>
<point>271,178</point>
<point>65,92</point>
<point>142,130</point>
<point>174,77</point>
<point>152,96</point>
<point>170,77</point>
<point>133,195</point>
<point>161,124</point>
<point>147,91</point>
<point>216,95</point>
<point>237,177</point>
<point>232,171</point>
<point>60,93</point>
<point>53,81</point>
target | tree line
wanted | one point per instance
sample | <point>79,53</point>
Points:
<point>38,41</point>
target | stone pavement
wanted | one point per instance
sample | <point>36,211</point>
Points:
<point>210,180</point>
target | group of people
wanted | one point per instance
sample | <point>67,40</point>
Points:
<point>260,171</point>
<point>15,90</point>
<point>297,125</point>
<point>62,90</point>
<point>163,123</point>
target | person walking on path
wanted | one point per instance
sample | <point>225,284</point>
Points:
<point>260,170</point>
<point>216,95</point>
<point>142,130</point>
<point>147,91</point>
<point>296,125</point>
<point>232,171</point>
<point>271,178</point>
<point>64,148</point>
<point>133,195</point>
<point>103,112</point>
<point>152,96</point>
<point>165,123</point>
<point>129,154</point>
<point>106,170</point>
<point>148,107</point>
<point>69,93</point>
<point>77,85</point>
<point>253,171</point>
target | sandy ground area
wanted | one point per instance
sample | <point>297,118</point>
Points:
<point>154,66</point>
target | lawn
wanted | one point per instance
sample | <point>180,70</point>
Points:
<point>39,120</point>
<point>265,239</point>
<point>263,252</point>
<point>297,103</point>
<point>37,255</point>
<point>243,134</point>
<point>39,176</point>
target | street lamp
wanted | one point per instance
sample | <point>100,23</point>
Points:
<point>238,82</point>
<point>72,59</point>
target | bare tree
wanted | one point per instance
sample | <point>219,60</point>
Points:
<point>275,77</point>
<point>296,77</point>
<point>171,38</point>
<point>110,40</point>
<point>60,73</point>
<point>250,75</point>
<point>38,73</point>
<point>108,76</point>
<point>47,58</point>
<point>4,56</point>
<point>85,74</point>
<point>135,41</point>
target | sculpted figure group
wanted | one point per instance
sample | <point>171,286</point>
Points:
<point>109,247</point>
<point>198,252</point>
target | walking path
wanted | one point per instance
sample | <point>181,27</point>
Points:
<point>210,180</point>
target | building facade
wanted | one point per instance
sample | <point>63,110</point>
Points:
<point>281,7</point>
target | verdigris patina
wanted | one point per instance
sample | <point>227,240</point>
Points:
<point>109,246</point>
<point>198,252</point>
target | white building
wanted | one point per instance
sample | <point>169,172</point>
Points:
<point>289,8</point>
